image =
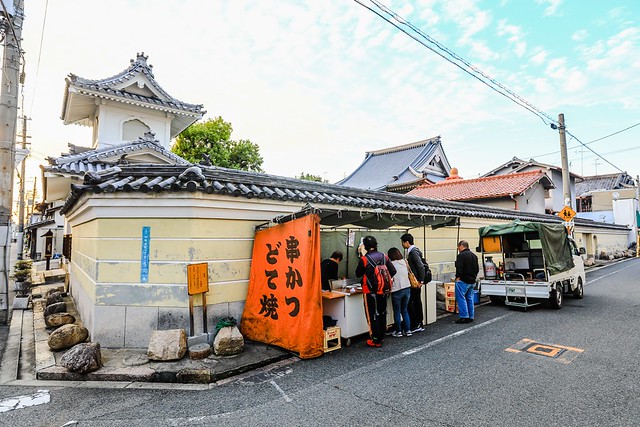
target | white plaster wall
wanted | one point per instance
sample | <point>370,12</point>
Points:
<point>112,115</point>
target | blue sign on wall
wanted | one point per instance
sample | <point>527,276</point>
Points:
<point>144,258</point>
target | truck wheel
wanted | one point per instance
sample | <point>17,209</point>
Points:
<point>578,292</point>
<point>556,297</point>
<point>496,300</point>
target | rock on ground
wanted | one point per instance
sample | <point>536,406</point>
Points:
<point>82,358</point>
<point>59,307</point>
<point>54,298</point>
<point>228,341</point>
<point>67,336</point>
<point>167,345</point>
<point>56,320</point>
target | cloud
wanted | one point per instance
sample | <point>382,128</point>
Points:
<point>539,57</point>
<point>514,36</point>
<point>552,6</point>
<point>579,35</point>
<point>468,17</point>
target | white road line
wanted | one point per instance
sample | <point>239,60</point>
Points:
<point>286,398</point>
<point>19,402</point>
<point>610,274</point>
<point>453,335</point>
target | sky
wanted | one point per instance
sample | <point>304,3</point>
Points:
<point>317,84</point>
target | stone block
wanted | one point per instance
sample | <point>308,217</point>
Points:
<point>140,322</point>
<point>173,318</point>
<point>167,345</point>
<point>82,358</point>
<point>229,341</point>
<point>59,307</point>
<point>67,336</point>
<point>54,298</point>
<point>235,310</point>
<point>56,320</point>
<point>109,326</point>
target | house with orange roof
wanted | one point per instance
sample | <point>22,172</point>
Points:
<point>523,191</point>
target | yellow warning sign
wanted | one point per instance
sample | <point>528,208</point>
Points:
<point>567,213</point>
<point>197,278</point>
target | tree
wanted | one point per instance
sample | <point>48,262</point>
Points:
<point>212,137</point>
<point>310,177</point>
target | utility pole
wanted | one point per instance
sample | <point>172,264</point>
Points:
<point>23,177</point>
<point>11,24</point>
<point>566,187</point>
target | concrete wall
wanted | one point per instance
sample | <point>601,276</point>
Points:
<point>602,200</point>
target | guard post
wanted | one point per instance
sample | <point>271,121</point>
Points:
<point>198,283</point>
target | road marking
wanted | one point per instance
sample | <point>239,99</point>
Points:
<point>19,402</point>
<point>453,335</point>
<point>560,353</point>
<point>610,274</point>
<point>286,398</point>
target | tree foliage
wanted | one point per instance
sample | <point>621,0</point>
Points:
<point>213,138</point>
<point>310,177</point>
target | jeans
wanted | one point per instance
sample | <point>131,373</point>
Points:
<point>464,298</point>
<point>400,302</point>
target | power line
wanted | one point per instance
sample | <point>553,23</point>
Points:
<point>590,142</point>
<point>524,105</point>
<point>35,81</point>
<point>504,91</point>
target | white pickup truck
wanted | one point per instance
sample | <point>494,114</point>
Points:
<point>538,262</point>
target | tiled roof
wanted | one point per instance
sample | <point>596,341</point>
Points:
<point>518,165</point>
<point>106,88</point>
<point>482,188</point>
<point>395,165</point>
<point>614,181</point>
<point>234,183</point>
<point>98,160</point>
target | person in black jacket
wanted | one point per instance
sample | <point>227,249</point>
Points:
<point>414,258</point>
<point>375,304</point>
<point>329,270</point>
<point>466,272</point>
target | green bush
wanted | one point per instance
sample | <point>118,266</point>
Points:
<point>22,270</point>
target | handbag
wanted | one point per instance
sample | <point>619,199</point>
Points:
<point>412,277</point>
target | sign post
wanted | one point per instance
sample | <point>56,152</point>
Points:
<point>567,214</point>
<point>198,283</point>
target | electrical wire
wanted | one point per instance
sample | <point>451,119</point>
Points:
<point>479,74</point>
<point>35,81</point>
<point>525,105</point>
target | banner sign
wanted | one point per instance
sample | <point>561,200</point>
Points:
<point>284,301</point>
<point>144,255</point>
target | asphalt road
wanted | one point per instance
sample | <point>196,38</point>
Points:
<point>580,369</point>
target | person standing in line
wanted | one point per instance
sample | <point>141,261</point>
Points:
<point>400,293</point>
<point>375,305</point>
<point>329,270</point>
<point>466,272</point>
<point>414,258</point>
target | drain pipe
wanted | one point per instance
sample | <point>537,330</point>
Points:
<point>515,202</point>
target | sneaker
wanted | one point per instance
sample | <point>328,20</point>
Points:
<point>408,334</point>
<point>418,328</point>
<point>396,334</point>
<point>371,343</point>
<point>463,320</point>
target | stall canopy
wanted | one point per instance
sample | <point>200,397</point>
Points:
<point>376,219</point>
<point>555,246</point>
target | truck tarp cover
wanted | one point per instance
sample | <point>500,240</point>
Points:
<point>555,246</point>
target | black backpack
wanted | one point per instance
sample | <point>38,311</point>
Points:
<point>427,271</point>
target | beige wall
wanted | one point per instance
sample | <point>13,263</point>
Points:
<point>603,200</point>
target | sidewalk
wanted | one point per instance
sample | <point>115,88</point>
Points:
<point>29,361</point>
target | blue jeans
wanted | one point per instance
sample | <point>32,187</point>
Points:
<point>400,302</point>
<point>464,298</point>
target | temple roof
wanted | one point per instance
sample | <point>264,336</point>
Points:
<point>399,165</point>
<point>216,181</point>
<point>516,165</point>
<point>493,187</point>
<point>614,181</point>
<point>135,85</point>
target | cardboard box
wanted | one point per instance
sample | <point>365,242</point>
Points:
<point>332,339</point>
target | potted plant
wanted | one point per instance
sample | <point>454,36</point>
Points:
<point>22,275</point>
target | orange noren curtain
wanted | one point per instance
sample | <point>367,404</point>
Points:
<point>284,301</point>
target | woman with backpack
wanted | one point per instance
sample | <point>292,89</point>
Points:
<point>376,271</point>
<point>400,293</point>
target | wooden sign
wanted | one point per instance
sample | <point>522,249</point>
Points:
<point>197,278</point>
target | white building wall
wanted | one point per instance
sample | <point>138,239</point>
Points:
<point>111,117</point>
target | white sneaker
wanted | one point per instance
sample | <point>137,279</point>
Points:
<point>408,333</point>
<point>396,334</point>
<point>418,328</point>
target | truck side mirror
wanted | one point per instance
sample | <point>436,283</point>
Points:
<point>582,251</point>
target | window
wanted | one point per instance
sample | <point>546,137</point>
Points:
<point>133,129</point>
